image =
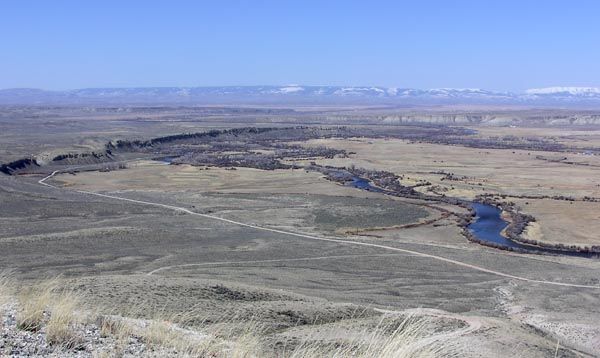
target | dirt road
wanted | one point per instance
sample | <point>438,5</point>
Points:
<point>317,238</point>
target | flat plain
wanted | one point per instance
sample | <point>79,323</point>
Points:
<point>526,177</point>
<point>302,253</point>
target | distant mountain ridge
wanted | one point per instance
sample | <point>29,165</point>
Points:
<point>559,96</point>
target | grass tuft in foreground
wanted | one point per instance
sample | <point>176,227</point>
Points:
<point>53,307</point>
<point>59,315</point>
<point>407,337</point>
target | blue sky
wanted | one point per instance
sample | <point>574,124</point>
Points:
<point>505,45</point>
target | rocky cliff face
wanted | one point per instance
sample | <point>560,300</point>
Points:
<point>518,119</point>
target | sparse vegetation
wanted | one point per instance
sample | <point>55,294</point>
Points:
<point>53,307</point>
<point>6,291</point>
<point>227,290</point>
<point>34,303</point>
<point>61,317</point>
<point>406,337</point>
<point>61,327</point>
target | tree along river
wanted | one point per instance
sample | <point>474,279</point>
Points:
<point>488,226</point>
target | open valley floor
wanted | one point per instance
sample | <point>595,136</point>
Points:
<point>191,215</point>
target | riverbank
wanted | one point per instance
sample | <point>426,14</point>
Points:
<point>487,227</point>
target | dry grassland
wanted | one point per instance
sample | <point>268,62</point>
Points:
<point>154,176</point>
<point>492,171</point>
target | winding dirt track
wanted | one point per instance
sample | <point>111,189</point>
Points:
<point>473,324</point>
<point>317,238</point>
<point>312,258</point>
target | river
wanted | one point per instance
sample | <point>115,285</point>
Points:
<point>488,226</point>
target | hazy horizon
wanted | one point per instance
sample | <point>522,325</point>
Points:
<point>366,86</point>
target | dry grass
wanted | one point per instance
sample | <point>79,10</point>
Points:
<point>114,327</point>
<point>408,337</point>
<point>117,328</point>
<point>167,335</point>
<point>246,346</point>
<point>390,338</point>
<point>168,178</point>
<point>230,337</point>
<point>60,328</point>
<point>49,304</point>
<point>163,334</point>
<point>6,293</point>
<point>33,305</point>
<point>6,288</point>
<point>223,339</point>
<point>492,171</point>
<point>50,308</point>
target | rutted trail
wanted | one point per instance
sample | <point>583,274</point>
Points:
<point>217,263</point>
<point>317,238</point>
<point>473,323</point>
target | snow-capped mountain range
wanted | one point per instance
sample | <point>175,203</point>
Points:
<point>558,96</point>
<point>566,91</point>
